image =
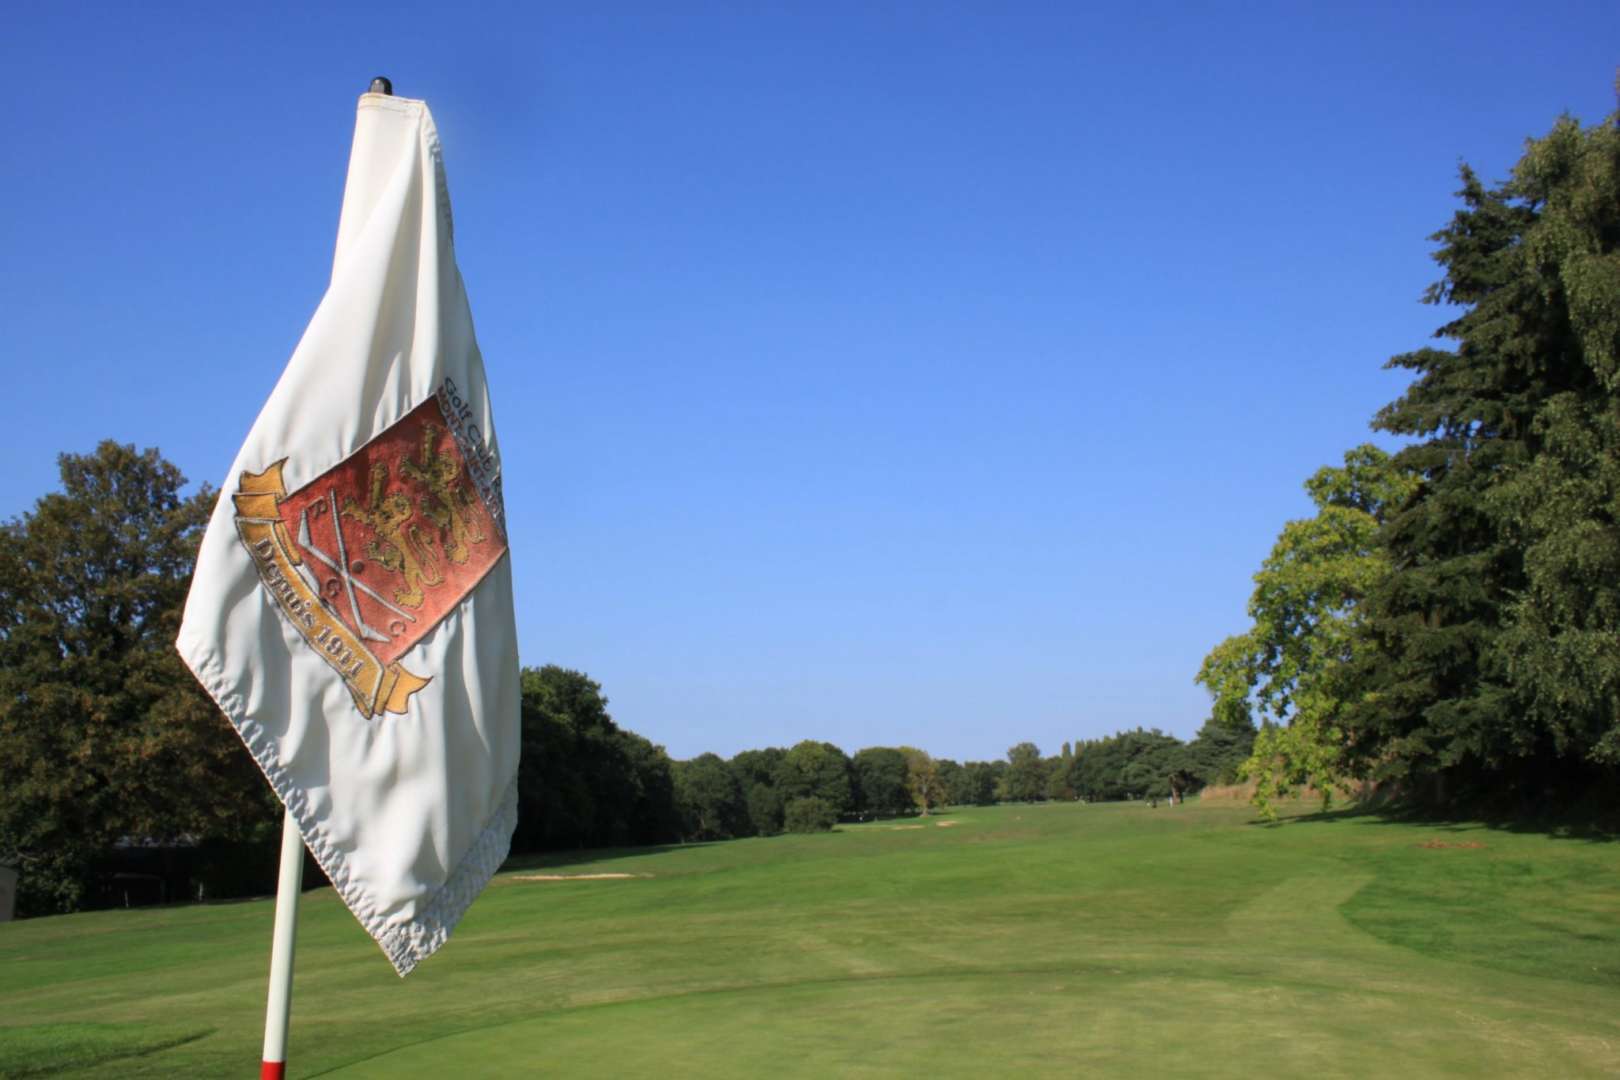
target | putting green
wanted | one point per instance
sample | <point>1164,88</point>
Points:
<point>1050,939</point>
<point>1109,1020</point>
<point>1339,1003</point>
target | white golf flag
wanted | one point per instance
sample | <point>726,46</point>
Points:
<point>351,611</point>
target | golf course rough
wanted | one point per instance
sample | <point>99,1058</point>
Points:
<point>1048,939</point>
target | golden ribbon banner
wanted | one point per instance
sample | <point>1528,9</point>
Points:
<point>375,688</point>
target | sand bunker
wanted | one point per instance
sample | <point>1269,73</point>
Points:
<point>575,877</point>
<point>898,828</point>
<point>946,824</point>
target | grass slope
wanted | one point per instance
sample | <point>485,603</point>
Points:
<point>1047,939</point>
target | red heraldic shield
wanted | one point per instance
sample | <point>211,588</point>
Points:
<point>368,557</point>
<point>396,534</point>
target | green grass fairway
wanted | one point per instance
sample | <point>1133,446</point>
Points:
<point>1057,940</point>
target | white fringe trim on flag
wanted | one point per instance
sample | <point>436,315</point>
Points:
<point>405,944</point>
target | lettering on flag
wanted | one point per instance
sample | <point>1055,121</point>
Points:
<point>367,558</point>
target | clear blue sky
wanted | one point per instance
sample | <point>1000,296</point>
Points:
<point>878,373</point>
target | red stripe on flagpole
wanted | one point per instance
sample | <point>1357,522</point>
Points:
<point>272,1070</point>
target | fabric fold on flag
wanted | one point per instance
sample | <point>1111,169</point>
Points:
<point>351,611</point>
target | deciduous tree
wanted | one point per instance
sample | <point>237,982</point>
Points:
<point>582,781</point>
<point>950,778</point>
<point>975,785</point>
<point>1134,764</point>
<point>710,800</point>
<point>103,732</point>
<point>880,780</point>
<point>756,774</point>
<point>922,783</point>
<point>1288,666</point>
<point>1025,779</point>
<point>816,769</point>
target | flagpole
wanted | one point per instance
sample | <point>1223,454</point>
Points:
<point>290,882</point>
<point>274,1064</point>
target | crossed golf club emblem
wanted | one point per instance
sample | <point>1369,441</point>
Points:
<point>341,566</point>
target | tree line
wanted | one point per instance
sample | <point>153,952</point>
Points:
<point>585,782</point>
<point>1446,626</point>
<point>119,773</point>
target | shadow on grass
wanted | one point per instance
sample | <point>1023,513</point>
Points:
<point>1342,813</point>
<point>1600,827</point>
<point>45,1049</point>
<point>1565,824</point>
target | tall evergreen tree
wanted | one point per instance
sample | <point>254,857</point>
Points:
<point>1488,660</point>
<point>1561,649</point>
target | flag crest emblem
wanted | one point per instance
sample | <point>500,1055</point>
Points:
<point>367,558</point>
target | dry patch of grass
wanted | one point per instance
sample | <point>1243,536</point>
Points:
<point>1227,793</point>
<point>1242,793</point>
<point>574,877</point>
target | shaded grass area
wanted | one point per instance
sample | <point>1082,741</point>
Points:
<point>1111,939</point>
<point>44,1049</point>
<point>1535,905</point>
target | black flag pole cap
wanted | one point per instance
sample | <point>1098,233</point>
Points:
<point>381,85</point>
